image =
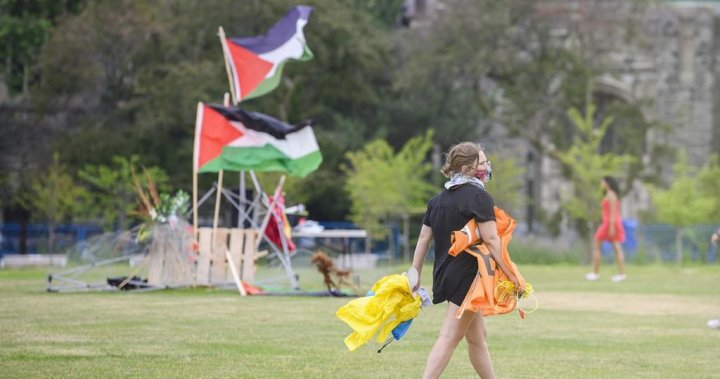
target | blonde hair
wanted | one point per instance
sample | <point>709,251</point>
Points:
<point>464,153</point>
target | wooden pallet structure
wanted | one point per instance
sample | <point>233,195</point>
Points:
<point>227,256</point>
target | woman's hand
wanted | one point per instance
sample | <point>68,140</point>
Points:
<point>413,276</point>
<point>519,290</point>
<point>611,232</point>
<point>415,288</point>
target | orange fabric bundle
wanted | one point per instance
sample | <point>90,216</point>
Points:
<point>482,295</point>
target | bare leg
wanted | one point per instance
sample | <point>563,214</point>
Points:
<point>619,257</point>
<point>596,256</point>
<point>451,333</point>
<point>476,337</point>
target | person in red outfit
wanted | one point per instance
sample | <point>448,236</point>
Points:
<point>611,229</point>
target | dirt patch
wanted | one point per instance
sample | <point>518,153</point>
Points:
<point>627,303</point>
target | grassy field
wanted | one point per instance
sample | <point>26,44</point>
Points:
<point>651,326</point>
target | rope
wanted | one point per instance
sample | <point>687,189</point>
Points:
<point>505,291</point>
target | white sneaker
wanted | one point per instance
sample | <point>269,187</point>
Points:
<point>714,324</point>
<point>591,276</point>
<point>618,278</point>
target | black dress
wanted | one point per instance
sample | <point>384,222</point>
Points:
<point>447,212</point>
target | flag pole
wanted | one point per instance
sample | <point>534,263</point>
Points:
<point>218,195</point>
<point>195,168</point>
<point>241,211</point>
<point>226,55</point>
<point>217,206</point>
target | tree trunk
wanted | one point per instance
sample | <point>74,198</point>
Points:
<point>391,242</point>
<point>51,237</point>
<point>589,241</point>
<point>26,81</point>
<point>406,237</point>
<point>678,246</point>
<point>23,235</point>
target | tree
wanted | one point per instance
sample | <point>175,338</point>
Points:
<point>506,183</point>
<point>382,183</point>
<point>586,168</point>
<point>690,199</point>
<point>113,189</point>
<point>519,66</point>
<point>708,183</point>
<point>24,27</point>
<point>131,74</point>
<point>53,197</point>
<point>345,89</point>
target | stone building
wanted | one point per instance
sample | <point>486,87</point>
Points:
<point>679,70</point>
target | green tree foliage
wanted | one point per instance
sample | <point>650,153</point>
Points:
<point>54,197</point>
<point>345,89</point>
<point>386,12</point>
<point>440,72</point>
<point>691,197</point>
<point>122,78</point>
<point>24,27</point>
<point>133,73</point>
<point>708,184</point>
<point>113,191</point>
<point>506,184</point>
<point>586,167</point>
<point>3,187</point>
<point>517,64</point>
<point>382,183</point>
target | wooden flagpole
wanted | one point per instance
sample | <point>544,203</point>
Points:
<point>195,171</point>
<point>270,202</point>
<point>226,55</point>
<point>218,195</point>
<point>216,214</point>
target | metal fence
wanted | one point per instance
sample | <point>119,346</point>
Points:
<point>35,237</point>
<point>644,242</point>
<point>666,243</point>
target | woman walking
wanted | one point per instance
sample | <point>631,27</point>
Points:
<point>463,198</point>
<point>611,229</point>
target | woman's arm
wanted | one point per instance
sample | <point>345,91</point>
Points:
<point>488,232</point>
<point>421,249</point>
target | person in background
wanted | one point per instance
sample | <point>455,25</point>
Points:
<point>611,229</point>
<point>463,198</point>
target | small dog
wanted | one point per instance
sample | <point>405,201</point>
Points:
<point>326,267</point>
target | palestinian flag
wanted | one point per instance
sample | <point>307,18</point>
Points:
<point>279,223</point>
<point>255,63</point>
<point>232,139</point>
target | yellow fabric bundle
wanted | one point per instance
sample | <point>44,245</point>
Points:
<point>392,303</point>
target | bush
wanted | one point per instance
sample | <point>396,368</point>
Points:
<point>533,252</point>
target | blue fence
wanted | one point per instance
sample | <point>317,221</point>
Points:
<point>661,242</point>
<point>656,242</point>
<point>36,237</point>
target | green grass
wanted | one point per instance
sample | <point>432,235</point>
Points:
<point>651,326</point>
